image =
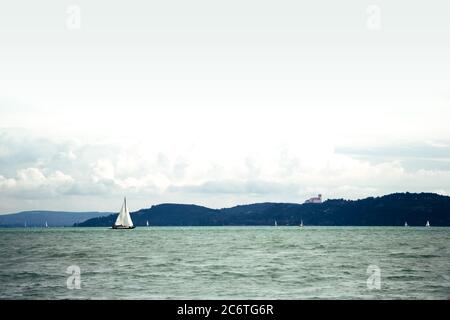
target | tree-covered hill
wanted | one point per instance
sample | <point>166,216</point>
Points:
<point>389,210</point>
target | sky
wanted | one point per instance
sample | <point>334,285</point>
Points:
<point>220,103</point>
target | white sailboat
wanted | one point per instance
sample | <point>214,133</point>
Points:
<point>406,224</point>
<point>46,224</point>
<point>276,224</point>
<point>428,224</point>
<point>123,220</point>
<point>147,223</point>
<point>301,224</point>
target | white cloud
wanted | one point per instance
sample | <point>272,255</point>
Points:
<point>30,177</point>
<point>290,170</point>
<point>103,169</point>
<point>59,178</point>
<point>7,183</point>
<point>32,182</point>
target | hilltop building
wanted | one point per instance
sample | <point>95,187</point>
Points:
<point>317,199</point>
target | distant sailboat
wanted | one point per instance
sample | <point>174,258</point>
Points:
<point>301,223</point>
<point>25,224</point>
<point>46,224</point>
<point>147,223</point>
<point>428,224</point>
<point>276,224</point>
<point>406,224</point>
<point>123,219</point>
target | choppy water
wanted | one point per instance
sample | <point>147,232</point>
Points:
<point>226,263</point>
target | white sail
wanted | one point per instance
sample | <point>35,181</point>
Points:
<point>46,224</point>
<point>276,223</point>
<point>428,224</point>
<point>147,223</point>
<point>406,224</point>
<point>124,218</point>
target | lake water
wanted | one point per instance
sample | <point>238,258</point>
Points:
<point>226,263</point>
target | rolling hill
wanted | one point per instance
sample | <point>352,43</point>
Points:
<point>389,210</point>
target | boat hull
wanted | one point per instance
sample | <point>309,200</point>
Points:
<point>122,227</point>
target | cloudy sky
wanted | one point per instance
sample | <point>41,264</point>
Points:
<point>221,102</point>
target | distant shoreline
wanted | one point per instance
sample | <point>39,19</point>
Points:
<point>396,209</point>
<point>391,210</point>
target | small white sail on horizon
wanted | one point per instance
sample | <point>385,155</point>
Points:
<point>276,224</point>
<point>46,224</point>
<point>123,220</point>
<point>147,223</point>
<point>428,224</point>
<point>301,223</point>
<point>406,224</point>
